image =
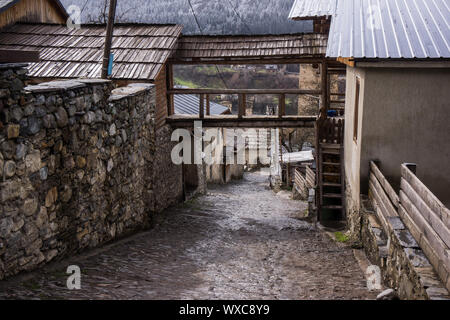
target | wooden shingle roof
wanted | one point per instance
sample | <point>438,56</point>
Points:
<point>255,46</point>
<point>139,50</point>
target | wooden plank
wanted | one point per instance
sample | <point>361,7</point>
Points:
<point>385,184</point>
<point>390,209</point>
<point>245,91</point>
<point>380,210</point>
<point>414,229</point>
<point>429,215</point>
<point>18,56</point>
<point>425,229</point>
<point>426,195</point>
<point>310,178</point>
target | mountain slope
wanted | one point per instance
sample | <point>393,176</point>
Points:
<point>214,16</point>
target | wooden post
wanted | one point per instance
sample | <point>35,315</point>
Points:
<point>108,39</point>
<point>242,104</point>
<point>170,97</point>
<point>324,88</point>
<point>282,106</point>
<point>208,109</point>
<point>202,106</point>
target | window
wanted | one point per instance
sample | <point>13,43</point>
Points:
<point>356,110</point>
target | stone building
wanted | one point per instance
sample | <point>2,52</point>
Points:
<point>83,160</point>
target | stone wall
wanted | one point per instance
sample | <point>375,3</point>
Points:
<point>403,264</point>
<point>78,166</point>
<point>168,178</point>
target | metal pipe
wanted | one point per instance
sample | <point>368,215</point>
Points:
<point>108,39</point>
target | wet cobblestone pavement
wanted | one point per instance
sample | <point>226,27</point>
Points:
<point>241,241</point>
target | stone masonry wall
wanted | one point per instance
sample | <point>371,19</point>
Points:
<point>168,178</point>
<point>403,264</point>
<point>77,164</point>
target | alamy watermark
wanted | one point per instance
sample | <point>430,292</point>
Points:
<point>74,280</point>
<point>373,275</point>
<point>74,19</point>
<point>221,146</point>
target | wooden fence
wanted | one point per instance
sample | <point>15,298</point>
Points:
<point>423,214</point>
<point>385,196</point>
<point>331,130</point>
<point>304,182</point>
<point>427,219</point>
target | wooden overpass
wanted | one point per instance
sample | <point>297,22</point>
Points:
<point>251,50</point>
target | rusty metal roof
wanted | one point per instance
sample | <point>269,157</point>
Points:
<point>311,9</point>
<point>390,29</point>
<point>140,50</point>
<point>254,46</point>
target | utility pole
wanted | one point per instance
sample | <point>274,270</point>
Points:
<point>109,35</point>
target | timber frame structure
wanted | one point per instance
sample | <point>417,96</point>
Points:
<point>221,50</point>
<point>251,50</point>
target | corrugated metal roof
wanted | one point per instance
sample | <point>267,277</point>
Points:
<point>390,29</point>
<point>310,9</point>
<point>139,50</point>
<point>214,47</point>
<point>190,104</point>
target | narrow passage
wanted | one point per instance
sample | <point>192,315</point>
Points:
<point>241,241</point>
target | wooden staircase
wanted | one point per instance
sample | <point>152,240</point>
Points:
<point>330,170</point>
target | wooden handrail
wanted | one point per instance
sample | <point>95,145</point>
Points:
<point>244,91</point>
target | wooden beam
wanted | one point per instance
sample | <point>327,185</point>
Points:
<point>244,91</point>
<point>241,60</point>
<point>242,105</point>
<point>208,107</point>
<point>324,87</point>
<point>348,61</point>
<point>18,56</point>
<point>202,107</point>
<point>184,121</point>
<point>169,81</point>
<point>282,106</point>
<point>108,38</point>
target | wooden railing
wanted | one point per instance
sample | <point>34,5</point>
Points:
<point>386,199</point>
<point>330,130</point>
<point>427,219</point>
<point>305,181</point>
<point>310,177</point>
<point>299,180</point>
<point>205,95</point>
<point>423,214</point>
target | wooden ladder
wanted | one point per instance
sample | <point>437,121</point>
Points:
<point>330,170</point>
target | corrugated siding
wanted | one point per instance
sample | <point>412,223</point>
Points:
<point>390,29</point>
<point>310,9</point>
<point>140,51</point>
<point>190,104</point>
<point>251,46</point>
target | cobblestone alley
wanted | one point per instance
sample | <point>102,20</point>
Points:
<point>241,241</point>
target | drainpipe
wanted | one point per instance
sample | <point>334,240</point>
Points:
<point>109,35</point>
